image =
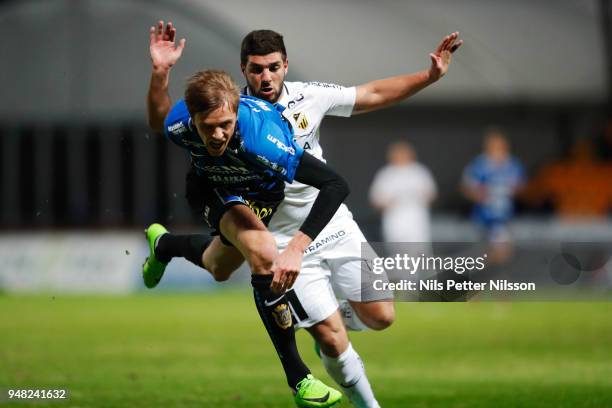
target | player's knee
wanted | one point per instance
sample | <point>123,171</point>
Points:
<point>333,343</point>
<point>221,275</point>
<point>219,272</point>
<point>261,253</point>
<point>384,318</point>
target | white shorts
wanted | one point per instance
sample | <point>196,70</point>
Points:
<point>331,269</point>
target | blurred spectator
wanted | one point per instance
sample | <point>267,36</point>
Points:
<point>578,187</point>
<point>491,182</point>
<point>403,191</point>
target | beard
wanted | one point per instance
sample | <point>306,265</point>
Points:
<point>268,93</point>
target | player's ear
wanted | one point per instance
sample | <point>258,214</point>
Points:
<point>243,68</point>
<point>286,65</point>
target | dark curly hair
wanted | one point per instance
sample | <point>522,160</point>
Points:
<point>261,42</point>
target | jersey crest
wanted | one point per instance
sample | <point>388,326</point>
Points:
<point>301,120</point>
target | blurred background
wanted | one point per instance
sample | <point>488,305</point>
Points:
<point>81,175</point>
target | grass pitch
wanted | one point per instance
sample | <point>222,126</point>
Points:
<point>210,350</point>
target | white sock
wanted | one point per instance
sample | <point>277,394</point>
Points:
<point>349,317</point>
<point>349,372</point>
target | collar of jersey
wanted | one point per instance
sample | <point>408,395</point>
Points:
<point>278,105</point>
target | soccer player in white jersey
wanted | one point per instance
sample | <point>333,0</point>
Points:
<point>331,266</point>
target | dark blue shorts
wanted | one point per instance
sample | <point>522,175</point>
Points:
<point>209,203</point>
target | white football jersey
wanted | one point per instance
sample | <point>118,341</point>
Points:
<point>307,103</point>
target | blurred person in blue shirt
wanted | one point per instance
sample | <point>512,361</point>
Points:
<point>491,181</point>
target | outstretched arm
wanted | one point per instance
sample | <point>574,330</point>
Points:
<point>384,92</point>
<point>164,54</point>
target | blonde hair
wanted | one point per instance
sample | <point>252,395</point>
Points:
<point>209,90</point>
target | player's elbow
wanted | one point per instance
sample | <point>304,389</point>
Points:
<point>335,190</point>
<point>342,188</point>
<point>367,98</point>
<point>156,117</point>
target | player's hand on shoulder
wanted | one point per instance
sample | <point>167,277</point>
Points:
<point>441,57</point>
<point>165,52</point>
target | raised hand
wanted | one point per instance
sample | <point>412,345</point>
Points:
<point>164,51</point>
<point>441,58</point>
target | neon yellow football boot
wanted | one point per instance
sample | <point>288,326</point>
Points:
<point>152,269</point>
<point>312,393</point>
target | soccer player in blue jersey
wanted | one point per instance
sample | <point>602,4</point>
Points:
<point>331,266</point>
<point>244,152</point>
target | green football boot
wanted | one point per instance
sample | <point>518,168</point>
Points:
<point>152,269</point>
<point>312,393</point>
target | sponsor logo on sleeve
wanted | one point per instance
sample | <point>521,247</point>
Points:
<point>280,145</point>
<point>177,128</point>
